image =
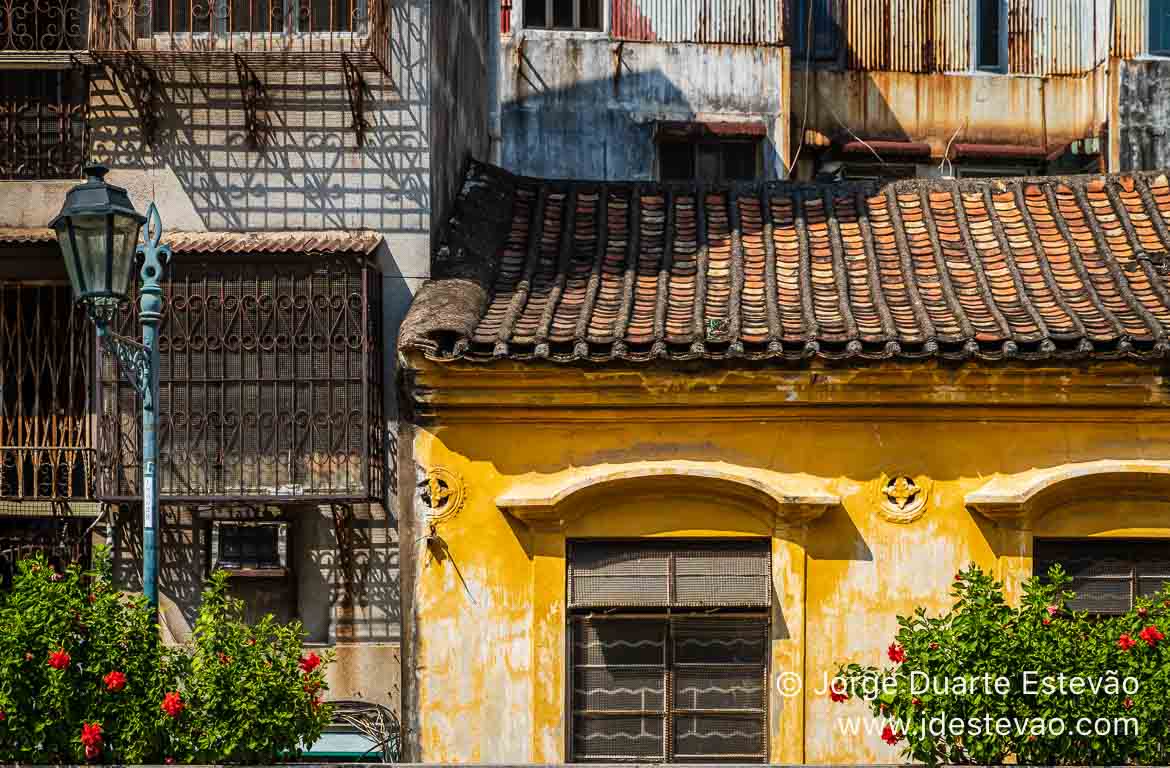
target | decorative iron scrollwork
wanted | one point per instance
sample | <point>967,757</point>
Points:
<point>41,25</point>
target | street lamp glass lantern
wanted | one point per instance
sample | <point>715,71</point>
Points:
<point>97,230</point>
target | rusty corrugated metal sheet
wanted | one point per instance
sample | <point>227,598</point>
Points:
<point>360,241</point>
<point>1130,28</point>
<point>867,33</point>
<point>1027,24</point>
<point>743,22</point>
<point>952,41</point>
<point>1077,34</point>
<point>505,16</point>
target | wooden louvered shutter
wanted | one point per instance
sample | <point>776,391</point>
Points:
<point>1108,574</point>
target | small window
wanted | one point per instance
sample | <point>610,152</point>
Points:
<point>249,546</point>
<point>990,35</point>
<point>1160,27</point>
<point>562,14</point>
<point>43,117</point>
<point>708,160</point>
<point>668,647</point>
<point>1108,574</point>
<point>993,171</point>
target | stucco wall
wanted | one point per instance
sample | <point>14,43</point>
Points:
<point>490,599</point>
<point>1144,114</point>
<point>583,106</point>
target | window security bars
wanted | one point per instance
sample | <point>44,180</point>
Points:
<point>43,125</point>
<point>1108,574</point>
<point>41,25</point>
<point>653,679</point>
<point>270,385</point>
<point>47,450</point>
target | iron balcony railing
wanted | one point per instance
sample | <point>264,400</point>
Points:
<point>241,26</point>
<point>38,26</point>
<point>270,385</point>
<point>47,449</point>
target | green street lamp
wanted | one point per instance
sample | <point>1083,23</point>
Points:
<point>97,231</point>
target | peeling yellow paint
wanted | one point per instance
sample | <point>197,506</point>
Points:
<point>593,454</point>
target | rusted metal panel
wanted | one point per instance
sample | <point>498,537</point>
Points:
<point>1027,23</point>
<point>743,22</point>
<point>505,17</point>
<point>952,40</point>
<point>1130,28</point>
<point>867,25</point>
<point>1077,32</point>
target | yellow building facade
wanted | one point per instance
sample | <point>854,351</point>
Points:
<point>867,482</point>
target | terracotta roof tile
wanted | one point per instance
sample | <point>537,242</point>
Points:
<point>359,241</point>
<point>1042,268</point>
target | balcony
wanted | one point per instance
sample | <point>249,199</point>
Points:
<point>41,33</point>
<point>270,384</point>
<point>264,34</point>
<point>47,449</point>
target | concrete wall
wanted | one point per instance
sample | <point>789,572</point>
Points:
<point>1144,114</point>
<point>580,105</point>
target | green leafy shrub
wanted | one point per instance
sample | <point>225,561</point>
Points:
<point>987,681</point>
<point>85,677</point>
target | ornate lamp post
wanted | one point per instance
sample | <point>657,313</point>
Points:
<point>97,230</point>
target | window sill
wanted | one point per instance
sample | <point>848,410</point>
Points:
<point>255,573</point>
<point>560,34</point>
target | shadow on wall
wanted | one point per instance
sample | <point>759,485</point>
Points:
<point>312,174</point>
<point>593,129</point>
<point>343,587</point>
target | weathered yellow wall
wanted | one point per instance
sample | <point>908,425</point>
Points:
<point>490,595</point>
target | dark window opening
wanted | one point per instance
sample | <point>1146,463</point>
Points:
<point>259,16</point>
<point>993,172</point>
<point>563,14</point>
<point>674,668</point>
<point>1160,27</point>
<point>1108,574</point>
<point>248,546</point>
<point>708,161</point>
<point>43,122</point>
<point>989,29</point>
<point>814,31</point>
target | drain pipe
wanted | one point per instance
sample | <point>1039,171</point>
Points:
<point>493,48</point>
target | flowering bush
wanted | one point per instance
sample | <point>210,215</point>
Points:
<point>987,682</point>
<point>85,677</point>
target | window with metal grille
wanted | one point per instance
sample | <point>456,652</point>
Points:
<point>43,122</point>
<point>249,546</point>
<point>708,160</point>
<point>669,650</point>
<point>563,14</point>
<point>1108,574</point>
<point>1160,27</point>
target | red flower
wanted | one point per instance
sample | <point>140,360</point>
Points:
<point>1053,610</point>
<point>93,752</point>
<point>92,598</point>
<point>28,656</point>
<point>889,737</point>
<point>3,715</point>
<point>1143,612</point>
<point>169,760</point>
<point>896,653</point>
<point>91,734</point>
<point>59,659</point>
<point>1151,635</point>
<point>1125,642</point>
<point>1046,621</point>
<point>115,681</point>
<point>1128,703</point>
<point>172,703</point>
<point>316,702</point>
<point>224,658</point>
<point>310,662</point>
<point>917,702</point>
<point>934,646</point>
<point>837,692</point>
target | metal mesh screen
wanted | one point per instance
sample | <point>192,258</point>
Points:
<point>1107,573</point>
<point>660,682</point>
<point>270,384</point>
<point>672,573</point>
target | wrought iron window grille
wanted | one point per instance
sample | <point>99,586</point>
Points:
<point>1108,574</point>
